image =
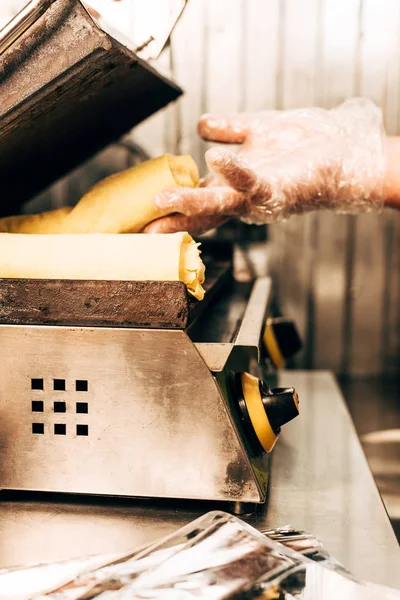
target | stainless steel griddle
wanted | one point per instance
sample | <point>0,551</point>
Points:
<point>132,389</point>
<point>119,388</point>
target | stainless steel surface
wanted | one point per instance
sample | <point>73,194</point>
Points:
<point>375,408</point>
<point>320,483</point>
<point>21,22</point>
<point>221,324</point>
<point>235,326</point>
<point>254,319</point>
<point>161,19</point>
<point>215,355</point>
<point>138,418</point>
<point>153,23</point>
<point>151,34</point>
<point>324,485</point>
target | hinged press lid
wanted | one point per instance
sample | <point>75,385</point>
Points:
<point>67,90</point>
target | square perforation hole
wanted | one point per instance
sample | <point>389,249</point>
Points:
<point>81,385</point>
<point>82,408</point>
<point>60,429</point>
<point>59,385</point>
<point>60,407</point>
<point>37,428</point>
<point>37,406</point>
<point>37,384</point>
<point>82,430</point>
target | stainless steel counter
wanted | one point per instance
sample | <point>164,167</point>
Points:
<point>320,482</point>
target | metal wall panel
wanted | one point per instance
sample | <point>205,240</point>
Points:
<point>366,319</point>
<point>187,50</point>
<point>339,277</point>
<point>337,75</point>
<point>299,66</point>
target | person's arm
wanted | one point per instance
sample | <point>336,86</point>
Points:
<point>392,173</point>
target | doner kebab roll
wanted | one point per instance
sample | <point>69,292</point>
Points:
<point>46,222</point>
<point>130,257</point>
<point>121,203</point>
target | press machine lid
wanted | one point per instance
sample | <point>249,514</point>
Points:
<point>67,90</point>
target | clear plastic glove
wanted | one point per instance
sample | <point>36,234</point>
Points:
<point>289,162</point>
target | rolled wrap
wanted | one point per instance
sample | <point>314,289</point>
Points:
<point>46,222</point>
<point>124,202</point>
<point>121,203</point>
<point>131,257</point>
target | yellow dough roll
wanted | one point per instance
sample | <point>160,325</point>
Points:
<point>46,222</point>
<point>124,202</point>
<point>131,257</point>
<point>121,203</point>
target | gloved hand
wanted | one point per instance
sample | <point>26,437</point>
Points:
<point>289,162</point>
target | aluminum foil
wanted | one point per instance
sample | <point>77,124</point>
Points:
<point>215,557</point>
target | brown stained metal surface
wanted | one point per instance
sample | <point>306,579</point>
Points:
<point>140,304</point>
<point>67,90</point>
<point>150,304</point>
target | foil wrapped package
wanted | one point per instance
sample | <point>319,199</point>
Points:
<point>215,557</point>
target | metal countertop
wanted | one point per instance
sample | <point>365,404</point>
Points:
<point>320,482</point>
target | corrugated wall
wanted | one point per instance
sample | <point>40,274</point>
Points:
<point>339,277</point>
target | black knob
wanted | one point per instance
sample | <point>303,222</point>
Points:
<point>281,405</point>
<point>282,340</point>
<point>263,411</point>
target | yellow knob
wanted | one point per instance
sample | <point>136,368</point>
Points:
<point>281,340</point>
<point>272,346</point>
<point>263,410</point>
<point>255,408</point>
